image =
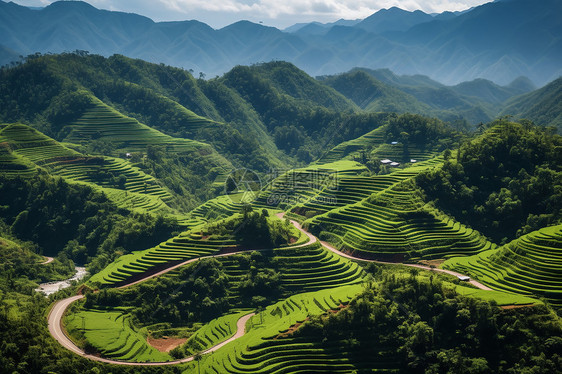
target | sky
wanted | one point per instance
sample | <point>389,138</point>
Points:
<point>277,13</point>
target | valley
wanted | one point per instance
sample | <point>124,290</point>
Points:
<point>268,221</point>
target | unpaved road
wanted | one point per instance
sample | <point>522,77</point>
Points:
<point>57,312</point>
<point>56,330</point>
<point>48,260</point>
<point>348,256</point>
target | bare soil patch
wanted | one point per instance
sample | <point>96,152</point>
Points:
<point>508,307</point>
<point>432,263</point>
<point>165,344</point>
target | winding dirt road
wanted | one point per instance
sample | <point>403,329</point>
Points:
<point>58,310</point>
<point>48,260</point>
<point>56,330</point>
<point>348,256</point>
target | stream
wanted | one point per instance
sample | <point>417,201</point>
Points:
<point>52,287</point>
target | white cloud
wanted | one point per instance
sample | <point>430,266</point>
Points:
<point>335,8</point>
<point>275,12</point>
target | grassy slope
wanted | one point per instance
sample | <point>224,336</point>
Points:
<point>529,265</point>
<point>542,106</point>
<point>112,334</point>
<point>28,147</point>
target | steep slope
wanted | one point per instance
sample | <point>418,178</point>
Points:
<point>477,41</point>
<point>382,90</point>
<point>393,19</point>
<point>498,41</point>
<point>373,95</point>
<point>504,183</point>
<point>543,106</point>
<point>528,265</point>
<point>486,90</point>
<point>290,80</point>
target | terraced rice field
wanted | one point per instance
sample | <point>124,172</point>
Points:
<point>214,332</point>
<point>302,269</point>
<point>313,268</point>
<point>373,144</point>
<point>174,251</point>
<point>299,185</point>
<point>218,208</point>
<point>13,165</point>
<point>266,351</point>
<point>105,123</point>
<point>530,265</point>
<point>394,225</point>
<point>125,184</point>
<point>112,334</point>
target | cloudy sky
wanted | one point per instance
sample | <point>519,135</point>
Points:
<point>278,13</point>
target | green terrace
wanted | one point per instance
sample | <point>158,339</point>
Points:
<point>218,208</point>
<point>373,144</point>
<point>530,265</point>
<point>301,269</point>
<point>394,224</point>
<point>105,123</point>
<point>214,332</point>
<point>112,334</point>
<point>352,189</point>
<point>186,246</point>
<point>266,346</point>
<point>127,184</point>
<point>13,165</point>
<point>299,185</point>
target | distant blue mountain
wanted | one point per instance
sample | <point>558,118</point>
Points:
<point>393,19</point>
<point>498,41</point>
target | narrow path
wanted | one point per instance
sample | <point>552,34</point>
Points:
<point>48,260</point>
<point>348,256</point>
<point>58,310</point>
<point>56,330</point>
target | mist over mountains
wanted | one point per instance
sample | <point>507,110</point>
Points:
<point>499,41</point>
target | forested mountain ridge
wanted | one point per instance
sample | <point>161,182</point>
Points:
<point>131,168</point>
<point>477,101</point>
<point>486,43</point>
<point>542,106</point>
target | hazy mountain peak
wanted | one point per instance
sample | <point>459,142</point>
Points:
<point>393,19</point>
<point>522,84</point>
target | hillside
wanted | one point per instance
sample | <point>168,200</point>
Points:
<point>541,106</point>
<point>505,183</point>
<point>477,101</point>
<point>393,19</point>
<point>373,95</point>
<point>265,221</point>
<point>499,41</point>
<point>527,265</point>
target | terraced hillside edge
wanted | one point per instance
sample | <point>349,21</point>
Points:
<point>530,265</point>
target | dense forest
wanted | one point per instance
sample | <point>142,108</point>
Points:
<point>507,182</point>
<point>138,172</point>
<point>434,330</point>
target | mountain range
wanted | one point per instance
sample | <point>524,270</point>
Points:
<point>499,41</point>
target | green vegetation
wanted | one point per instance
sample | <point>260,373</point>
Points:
<point>111,334</point>
<point>541,106</point>
<point>529,265</point>
<point>210,334</point>
<point>75,220</point>
<point>406,323</point>
<point>396,224</point>
<point>276,320</point>
<point>134,168</point>
<point>505,183</point>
